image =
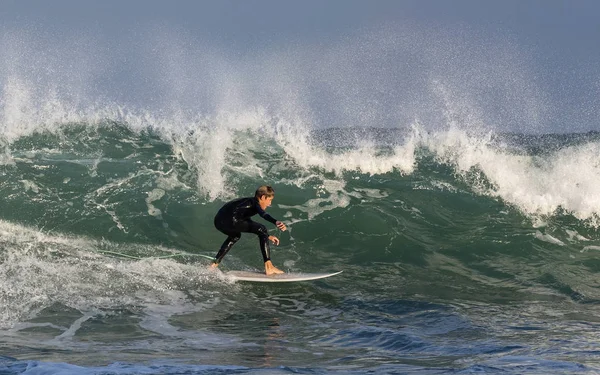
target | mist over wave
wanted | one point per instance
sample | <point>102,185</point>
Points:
<point>386,77</point>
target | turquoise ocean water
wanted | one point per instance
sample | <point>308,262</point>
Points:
<point>462,252</point>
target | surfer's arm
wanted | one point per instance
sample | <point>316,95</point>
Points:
<point>264,214</point>
<point>277,223</point>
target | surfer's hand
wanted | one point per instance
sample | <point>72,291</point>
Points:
<point>281,225</point>
<point>274,239</point>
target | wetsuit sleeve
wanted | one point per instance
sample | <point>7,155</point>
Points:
<point>264,215</point>
<point>268,218</point>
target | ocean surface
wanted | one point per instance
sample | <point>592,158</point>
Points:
<point>461,251</point>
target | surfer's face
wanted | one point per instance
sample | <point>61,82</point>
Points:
<point>265,201</point>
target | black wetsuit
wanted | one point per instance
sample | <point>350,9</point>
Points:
<point>234,218</point>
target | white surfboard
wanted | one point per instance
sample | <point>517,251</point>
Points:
<point>280,278</point>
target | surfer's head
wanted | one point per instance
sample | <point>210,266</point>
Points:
<point>265,195</point>
<point>264,191</point>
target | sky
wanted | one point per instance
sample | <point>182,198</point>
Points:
<point>571,25</point>
<point>528,64</point>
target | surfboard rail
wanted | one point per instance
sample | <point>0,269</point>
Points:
<point>261,277</point>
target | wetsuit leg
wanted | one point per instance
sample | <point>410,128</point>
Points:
<point>226,246</point>
<point>263,237</point>
<point>234,233</point>
<point>233,236</point>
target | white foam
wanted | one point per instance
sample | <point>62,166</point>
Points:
<point>548,238</point>
<point>565,179</point>
<point>373,193</point>
<point>586,248</point>
<point>41,270</point>
<point>153,196</point>
<point>170,181</point>
<point>30,186</point>
<point>574,235</point>
<point>365,157</point>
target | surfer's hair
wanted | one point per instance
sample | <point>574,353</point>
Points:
<point>263,191</point>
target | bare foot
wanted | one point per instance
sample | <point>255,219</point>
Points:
<point>270,269</point>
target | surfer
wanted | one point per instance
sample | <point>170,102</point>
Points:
<point>233,219</point>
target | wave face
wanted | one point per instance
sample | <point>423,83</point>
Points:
<point>420,165</point>
<point>102,224</point>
